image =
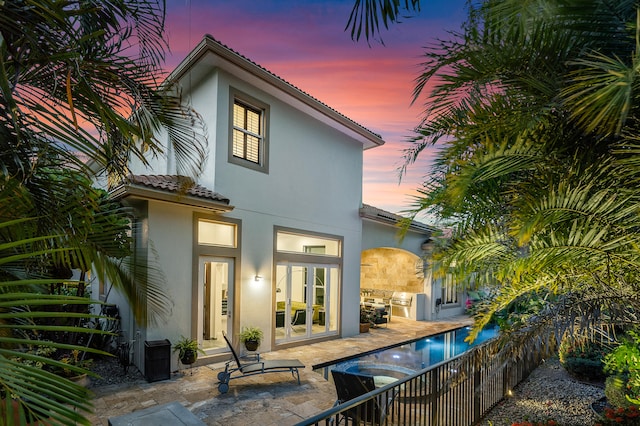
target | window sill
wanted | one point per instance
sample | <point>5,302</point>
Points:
<point>450,306</point>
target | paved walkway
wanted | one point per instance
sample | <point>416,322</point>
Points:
<point>265,400</point>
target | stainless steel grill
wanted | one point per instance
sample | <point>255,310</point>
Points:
<point>401,304</point>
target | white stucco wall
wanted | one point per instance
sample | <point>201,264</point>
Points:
<point>170,235</point>
<point>314,184</point>
<point>376,234</point>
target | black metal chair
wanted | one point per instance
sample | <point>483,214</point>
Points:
<point>352,385</point>
<point>379,316</point>
<point>279,319</point>
<point>299,317</point>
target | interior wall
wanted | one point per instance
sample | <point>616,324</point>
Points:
<point>390,269</point>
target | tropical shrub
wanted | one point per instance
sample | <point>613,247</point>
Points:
<point>615,391</point>
<point>527,423</point>
<point>624,363</point>
<point>517,312</point>
<point>76,359</point>
<point>629,416</point>
<point>582,359</point>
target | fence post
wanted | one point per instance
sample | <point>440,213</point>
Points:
<point>434,395</point>
<point>477,382</point>
<point>506,379</point>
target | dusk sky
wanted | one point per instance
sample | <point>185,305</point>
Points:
<point>304,43</point>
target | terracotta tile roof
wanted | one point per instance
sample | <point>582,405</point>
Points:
<point>176,184</point>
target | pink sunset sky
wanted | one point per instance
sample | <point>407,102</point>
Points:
<point>304,42</point>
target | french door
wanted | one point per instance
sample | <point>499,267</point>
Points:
<point>215,302</point>
<point>306,300</point>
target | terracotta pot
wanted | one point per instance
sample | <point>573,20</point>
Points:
<point>82,380</point>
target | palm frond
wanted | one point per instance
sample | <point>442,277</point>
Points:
<point>366,15</point>
<point>600,93</point>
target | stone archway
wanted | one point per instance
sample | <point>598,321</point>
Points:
<point>386,269</point>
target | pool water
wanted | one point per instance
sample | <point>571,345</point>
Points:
<point>407,358</point>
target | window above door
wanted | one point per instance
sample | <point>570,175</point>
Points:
<point>217,233</point>
<point>290,242</point>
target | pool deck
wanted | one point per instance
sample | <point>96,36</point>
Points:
<point>266,399</point>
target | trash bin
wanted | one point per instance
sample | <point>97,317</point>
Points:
<point>157,360</point>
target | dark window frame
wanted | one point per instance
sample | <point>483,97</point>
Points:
<point>248,103</point>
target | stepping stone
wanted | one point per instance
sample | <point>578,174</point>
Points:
<point>170,414</point>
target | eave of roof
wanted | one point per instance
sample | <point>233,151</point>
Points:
<point>382,216</point>
<point>209,44</point>
<point>172,189</point>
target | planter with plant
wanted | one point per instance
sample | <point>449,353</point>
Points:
<point>251,337</point>
<point>188,350</point>
<point>74,361</point>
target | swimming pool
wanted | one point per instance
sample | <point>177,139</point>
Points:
<point>407,358</point>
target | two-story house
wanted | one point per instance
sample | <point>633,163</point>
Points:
<point>271,233</point>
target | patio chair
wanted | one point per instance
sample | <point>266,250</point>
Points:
<point>279,319</point>
<point>299,317</point>
<point>255,367</point>
<point>350,386</point>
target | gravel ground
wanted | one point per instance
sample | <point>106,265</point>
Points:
<point>112,373</point>
<point>549,393</point>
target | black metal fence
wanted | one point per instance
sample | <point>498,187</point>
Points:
<point>455,392</point>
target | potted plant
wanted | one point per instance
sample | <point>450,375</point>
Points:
<point>251,337</point>
<point>188,350</point>
<point>365,320</point>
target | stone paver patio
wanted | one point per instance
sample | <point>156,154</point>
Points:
<point>269,399</point>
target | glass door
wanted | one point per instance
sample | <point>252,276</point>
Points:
<point>306,295</point>
<point>215,302</point>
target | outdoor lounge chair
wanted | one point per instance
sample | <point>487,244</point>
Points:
<point>255,367</point>
<point>352,385</point>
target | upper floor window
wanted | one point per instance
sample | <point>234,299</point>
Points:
<point>248,133</point>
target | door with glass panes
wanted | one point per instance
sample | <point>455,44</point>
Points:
<point>215,305</point>
<point>305,300</point>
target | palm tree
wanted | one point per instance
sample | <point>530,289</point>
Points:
<point>535,114</point>
<point>81,96</point>
<point>536,117</point>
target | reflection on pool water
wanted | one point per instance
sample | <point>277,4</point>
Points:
<point>398,361</point>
